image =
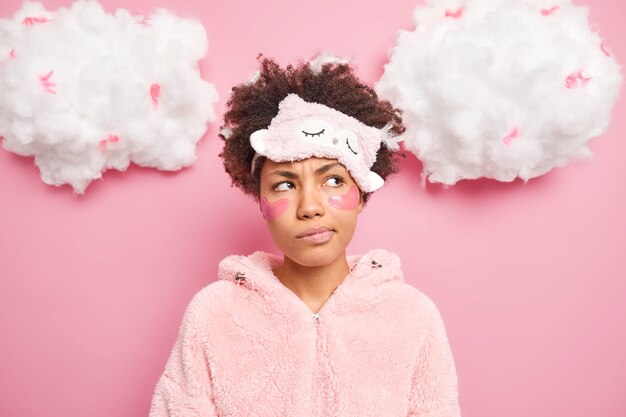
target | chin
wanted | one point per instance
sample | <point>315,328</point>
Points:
<point>314,256</point>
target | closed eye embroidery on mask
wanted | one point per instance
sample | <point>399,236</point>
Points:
<point>350,147</point>
<point>314,134</point>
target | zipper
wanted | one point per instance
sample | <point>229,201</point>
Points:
<point>299,301</point>
<point>317,315</point>
<point>322,364</point>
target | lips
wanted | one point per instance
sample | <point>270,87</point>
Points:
<point>314,231</point>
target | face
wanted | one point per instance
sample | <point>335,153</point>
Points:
<point>296,197</point>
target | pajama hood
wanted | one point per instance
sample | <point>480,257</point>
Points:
<point>249,346</point>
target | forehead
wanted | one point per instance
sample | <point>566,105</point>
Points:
<point>305,164</point>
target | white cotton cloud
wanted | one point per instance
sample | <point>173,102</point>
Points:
<point>83,90</point>
<point>500,88</point>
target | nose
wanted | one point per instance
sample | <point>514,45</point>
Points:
<point>310,203</point>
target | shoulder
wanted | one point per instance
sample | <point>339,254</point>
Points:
<point>211,291</point>
<point>416,302</point>
<point>207,300</point>
<point>414,296</point>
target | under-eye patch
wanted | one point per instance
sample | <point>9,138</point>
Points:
<point>274,209</point>
<point>347,201</point>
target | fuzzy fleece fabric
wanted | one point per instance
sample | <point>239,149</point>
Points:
<point>249,346</point>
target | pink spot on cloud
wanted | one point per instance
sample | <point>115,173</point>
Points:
<point>574,78</point>
<point>12,53</point>
<point>455,14</point>
<point>513,134</point>
<point>155,91</point>
<point>548,12</point>
<point>140,18</point>
<point>31,20</point>
<point>103,143</point>
<point>46,83</point>
<point>604,50</point>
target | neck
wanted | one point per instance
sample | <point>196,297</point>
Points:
<point>313,284</point>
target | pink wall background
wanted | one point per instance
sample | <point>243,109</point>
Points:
<point>530,278</point>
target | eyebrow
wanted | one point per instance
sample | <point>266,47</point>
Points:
<point>290,174</point>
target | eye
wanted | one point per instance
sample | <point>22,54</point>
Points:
<point>280,186</point>
<point>337,179</point>
<point>320,133</point>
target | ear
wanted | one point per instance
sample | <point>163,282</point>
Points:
<point>361,203</point>
<point>257,140</point>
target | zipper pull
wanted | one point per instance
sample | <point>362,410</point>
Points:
<point>316,316</point>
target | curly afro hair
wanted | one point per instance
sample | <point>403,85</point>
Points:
<point>253,105</point>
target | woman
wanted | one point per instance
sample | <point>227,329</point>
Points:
<point>314,332</point>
